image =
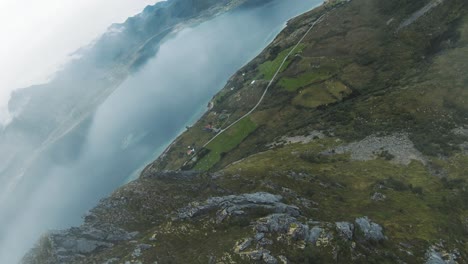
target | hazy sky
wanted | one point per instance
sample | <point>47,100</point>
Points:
<point>36,37</point>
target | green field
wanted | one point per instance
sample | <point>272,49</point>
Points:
<point>292,84</point>
<point>226,142</point>
<point>269,68</point>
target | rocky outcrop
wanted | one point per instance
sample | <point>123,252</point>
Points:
<point>236,205</point>
<point>71,245</point>
<point>370,230</point>
<point>397,148</point>
<point>438,254</point>
<point>345,229</point>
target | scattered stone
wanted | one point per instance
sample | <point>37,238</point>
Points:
<point>298,139</point>
<point>111,261</point>
<point>255,255</point>
<point>265,241</point>
<point>370,230</point>
<point>275,223</point>
<point>243,245</point>
<point>398,146</point>
<point>437,254</point>
<point>434,258</point>
<point>460,131</point>
<point>378,197</point>
<point>259,236</point>
<point>283,259</point>
<point>137,252</point>
<point>145,246</point>
<point>345,229</point>
<point>269,259</point>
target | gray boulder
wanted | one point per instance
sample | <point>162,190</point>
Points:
<point>370,230</point>
<point>275,223</point>
<point>314,234</point>
<point>255,255</point>
<point>299,232</point>
<point>345,229</point>
<point>377,197</point>
<point>434,258</point>
<point>244,245</point>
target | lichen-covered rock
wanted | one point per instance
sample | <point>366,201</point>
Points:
<point>345,229</point>
<point>369,229</point>
<point>259,236</point>
<point>283,259</point>
<point>377,197</point>
<point>434,258</point>
<point>269,259</point>
<point>275,223</point>
<point>256,255</point>
<point>314,234</point>
<point>298,231</point>
<point>241,246</point>
<point>437,254</point>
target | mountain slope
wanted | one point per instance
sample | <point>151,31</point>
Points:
<point>356,155</point>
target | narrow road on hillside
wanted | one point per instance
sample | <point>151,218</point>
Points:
<point>269,84</point>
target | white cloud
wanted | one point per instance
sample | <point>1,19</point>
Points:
<point>36,37</point>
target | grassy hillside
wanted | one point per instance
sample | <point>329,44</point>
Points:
<point>367,122</point>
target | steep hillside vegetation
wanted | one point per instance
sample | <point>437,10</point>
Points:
<point>357,154</point>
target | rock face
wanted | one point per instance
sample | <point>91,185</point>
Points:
<point>237,204</point>
<point>438,254</point>
<point>370,230</point>
<point>71,245</point>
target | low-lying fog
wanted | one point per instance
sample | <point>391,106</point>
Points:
<point>134,124</point>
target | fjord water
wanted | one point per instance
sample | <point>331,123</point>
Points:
<point>139,120</point>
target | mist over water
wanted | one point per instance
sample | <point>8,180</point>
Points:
<point>134,124</point>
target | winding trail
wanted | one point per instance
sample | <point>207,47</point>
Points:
<point>269,84</point>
